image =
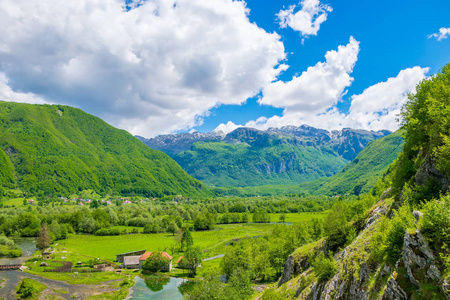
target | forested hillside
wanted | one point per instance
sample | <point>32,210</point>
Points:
<point>57,150</point>
<point>361,174</point>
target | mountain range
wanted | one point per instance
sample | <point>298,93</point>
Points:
<point>251,157</point>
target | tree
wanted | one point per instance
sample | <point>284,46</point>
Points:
<point>186,239</point>
<point>192,259</point>
<point>172,227</point>
<point>43,241</point>
<point>282,218</point>
<point>239,287</point>
<point>237,258</point>
<point>155,262</point>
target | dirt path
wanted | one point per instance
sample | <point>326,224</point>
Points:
<point>66,290</point>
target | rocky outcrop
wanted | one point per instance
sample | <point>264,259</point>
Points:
<point>428,173</point>
<point>288,271</point>
<point>360,278</point>
<point>394,291</point>
<point>418,257</point>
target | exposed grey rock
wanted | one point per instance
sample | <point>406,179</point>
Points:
<point>446,288</point>
<point>428,171</point>
<point>433,273</point>
<point>417,255</point>
<point>385,271</point>
<point>417,215</point>
<point>394,291</point>
<point>287,271</point>
<point>346,142</point>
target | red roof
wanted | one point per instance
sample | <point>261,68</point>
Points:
<point>179,259</point>
<point>147,254</point>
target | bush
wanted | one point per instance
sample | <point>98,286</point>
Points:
<point>324,267</point>
<point>436,221</point>
<point>108,231</point>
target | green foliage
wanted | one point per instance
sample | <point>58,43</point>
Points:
<point>223,164</point>
<point>237,258</point>
<point>209,288</point>
<point>155,262</point>
<point>261,216</point>
<point>29,288</point>
<point>386,242</point>
<point>186,239</point>
<point>425,119</point>
<point>324,267</point>
<point>108,231</point>
<point>435,225</point>
<point>204,221</point>
<point>192,259</point>
<point>59,154</point>
<point>8,248</point>
<point>43,241</point>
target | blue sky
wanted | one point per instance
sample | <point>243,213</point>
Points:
<point>393,36</point>
<point>163,66</point>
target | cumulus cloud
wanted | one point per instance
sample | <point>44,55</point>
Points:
<point>307,20</point>
<point>441,35</point>
<point>7,94</point>
<point>228,127</point>
<point>317,88</point>
<point>376,108</point>
<point>156,68</point>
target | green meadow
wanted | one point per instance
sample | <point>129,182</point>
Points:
<point>106,247</point>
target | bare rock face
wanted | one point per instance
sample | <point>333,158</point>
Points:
<point>288,270</point>
<point>394,291</point>
<point>428,171</point>
<point>417,256</point>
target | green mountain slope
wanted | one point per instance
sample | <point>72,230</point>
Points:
<point>357,177</point>
<point>59,150</point>
<point>278,162</point>
<point>250,157</point>
<point>7,178</point>
<point>360,175</point>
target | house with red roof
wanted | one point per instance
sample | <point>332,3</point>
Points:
<point>146,255</point>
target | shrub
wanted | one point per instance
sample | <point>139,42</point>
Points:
<point>324,267</point>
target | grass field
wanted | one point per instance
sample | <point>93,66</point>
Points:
<point>106,247</point>
<point>298,217</point>
<point>17,202</point>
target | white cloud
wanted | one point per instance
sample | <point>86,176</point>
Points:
<point>376,108</point>
<point>226,128</point>
<point>379,105</point>
<point>7,94</point>
<point>154,69</point>
<point>319,87</point>
<point>307,20</point>
<point>441,35</point>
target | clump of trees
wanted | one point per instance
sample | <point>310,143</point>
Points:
<point>155,262</point>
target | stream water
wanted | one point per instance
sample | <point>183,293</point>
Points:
<point>168,288</point>
<point>28,246</point>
